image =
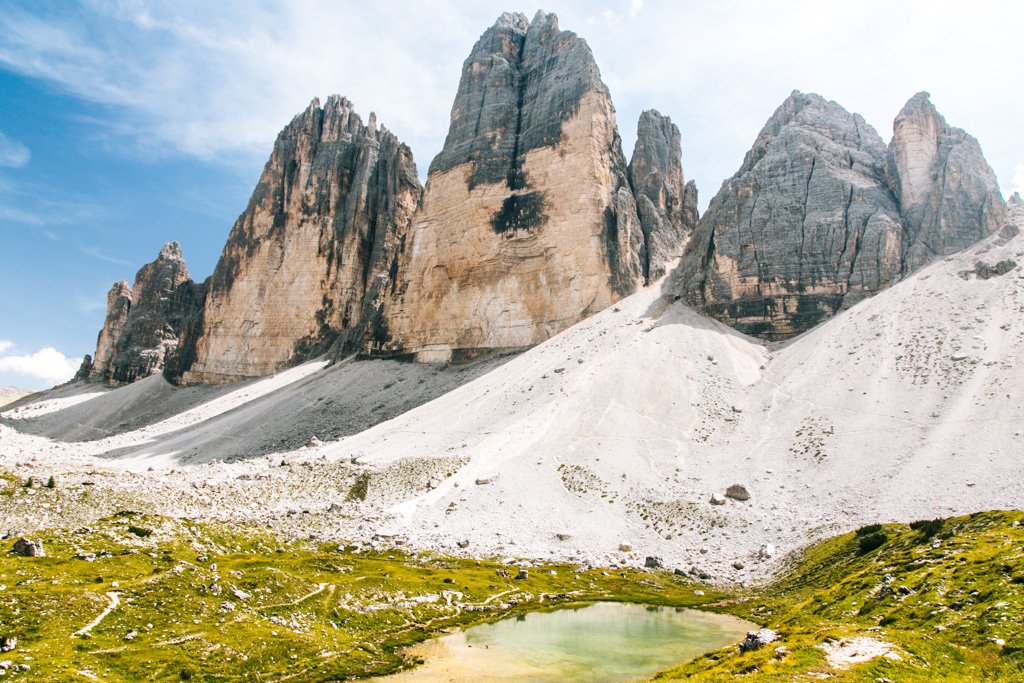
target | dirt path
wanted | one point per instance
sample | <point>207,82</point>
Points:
<point>115,602</point>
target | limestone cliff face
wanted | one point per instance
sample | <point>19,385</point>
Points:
<point>143,322</point>
<point>528,223</point>
<point>947,192</point>
<point>320,231</point>
<point>806,226</point>
<point>821,215</point>
<point>667,204</point>
<point>119,303</point>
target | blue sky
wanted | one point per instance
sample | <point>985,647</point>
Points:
<point>125,125</point>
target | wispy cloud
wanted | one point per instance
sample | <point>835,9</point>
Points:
<point>219,81</point>
<point>5,345</point>
<point>47,365</point>
<point>98,253</point>
<point>13,154</point>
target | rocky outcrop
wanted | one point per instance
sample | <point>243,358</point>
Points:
<point>806,227</point>
<point>528,223</point>
<point>303,263</point>
<point>947,192</point>
<point>821,215</point>
<point>142,323</point>
<point>119,303</point>
<point>666,203</point>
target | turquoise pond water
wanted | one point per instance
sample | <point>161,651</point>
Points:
<point>601,643</point>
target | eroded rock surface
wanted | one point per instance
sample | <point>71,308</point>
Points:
<point>119,303</point>
<point>528,223</point>
<point>821,215</point>
<point>143,322</point>
<point>666,203</point>
<point>946,190</point>
<point>806,227</point>
<point>303,263</point>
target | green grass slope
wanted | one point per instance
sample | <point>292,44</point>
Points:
<point>944,600</point>
<point>208,602</point>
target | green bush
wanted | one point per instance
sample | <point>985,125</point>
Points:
<point>139,531</point>
<point>871,541</point>
<point>927,527</point>
<point>360,488</point>
<point>869,529</point>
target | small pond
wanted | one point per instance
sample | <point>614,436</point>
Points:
<point>601,643</point>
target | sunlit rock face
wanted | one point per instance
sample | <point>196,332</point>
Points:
<point>806,226</point>
<point>947,192</point>
<point>305,262</point>
<point>528,223</point>
<point>143,322</point>
<point>666,203</point>
<point>821,215</point>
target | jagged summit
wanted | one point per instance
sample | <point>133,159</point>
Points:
<point>666,203</point>
<point>804,228</point>
<point>528,223</point>
<point>821,215</point>
<point>947,192</point>
<point>142,322</point>
<point>304,262</point>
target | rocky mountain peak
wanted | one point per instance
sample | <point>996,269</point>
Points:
<point>528,222</point>
<point>806,226</point>
<point>666,203</point>
<point>822,214</point>
<point>304,263</point>
<point>142,322</point>
<point>947,192</point>
<point>1016,200</point>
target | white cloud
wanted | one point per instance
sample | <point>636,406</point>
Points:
<point>6,345</point>
<point>47,364</point>
<point>1017,184</point>
<point>13,154</point>
<point>98,253</point>
<point>219,81</point>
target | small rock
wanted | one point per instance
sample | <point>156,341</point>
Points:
<point>8,643</point>
<point>679,572</point>
<point>240,594</point>
<point>522,575</point>
<point>563,537</point>
<point>314,442</point>
<point>698,592</point>
<point>625,548</point>
<point>755,640</point>
<point>464,543</point>
<point>652,562</point>
<point>717,499</point>
<point>27,547</point>
<point>131,635</point>
<point>766,552</point>
<point>482,482</point>
<point>737,565</point>
<point>737,492</point>
<point>227,606</point>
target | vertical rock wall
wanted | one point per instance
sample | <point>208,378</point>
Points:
<point>321,228</point>
<point>528,223</point>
